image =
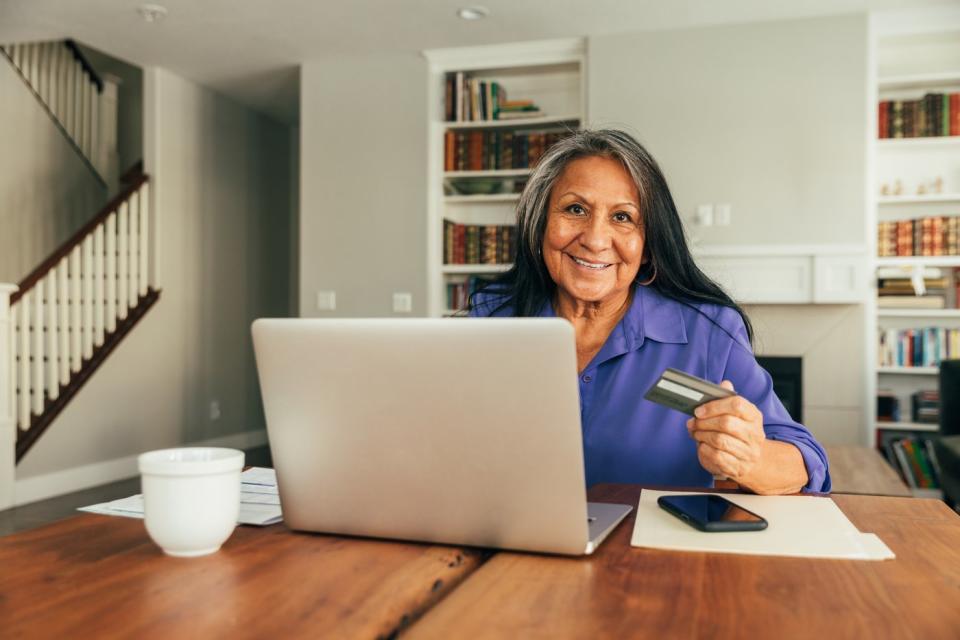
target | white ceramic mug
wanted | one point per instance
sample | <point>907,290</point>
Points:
<point>191,497</point>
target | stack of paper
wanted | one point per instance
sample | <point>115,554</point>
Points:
<point>798,526</point>
<point>259,500</point>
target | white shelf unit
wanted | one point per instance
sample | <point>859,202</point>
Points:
<point>552,74</point>
<point>906,64</point>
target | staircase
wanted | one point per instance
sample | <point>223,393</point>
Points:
<point>60,322</point>
<point>82,104</point>
<point>72,310</point>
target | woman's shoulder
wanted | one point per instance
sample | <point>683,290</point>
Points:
<point>492,300</point>
<point>711,317</point>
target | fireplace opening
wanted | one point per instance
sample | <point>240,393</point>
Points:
<point>787,374</point>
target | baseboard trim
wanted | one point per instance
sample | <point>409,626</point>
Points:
<point>58,483</point>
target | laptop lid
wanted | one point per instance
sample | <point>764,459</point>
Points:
<point>461,431</point>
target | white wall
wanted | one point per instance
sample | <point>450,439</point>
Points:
<point>769,117</point>
<point>47,191</point>
<point>363,182</point>
<point>220,176</point>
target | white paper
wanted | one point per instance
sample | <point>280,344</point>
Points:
<point>259,500</point>
<point>798,526</point>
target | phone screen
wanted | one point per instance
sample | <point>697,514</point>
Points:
<point>711,512</point>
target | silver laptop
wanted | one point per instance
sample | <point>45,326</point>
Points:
<point>462,431</point>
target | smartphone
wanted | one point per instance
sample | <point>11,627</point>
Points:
<point>711,513</point>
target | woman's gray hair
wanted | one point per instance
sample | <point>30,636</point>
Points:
<point>533,206</point>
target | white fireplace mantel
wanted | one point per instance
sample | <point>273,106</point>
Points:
<point>788,274</point>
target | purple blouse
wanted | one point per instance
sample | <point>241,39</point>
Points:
<point>631,440</point>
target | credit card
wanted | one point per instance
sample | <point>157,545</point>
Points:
<point>684,392</point>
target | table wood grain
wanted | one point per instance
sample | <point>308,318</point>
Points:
<point>622,591</point>
<point>863,470</point>
<point>100,576</point>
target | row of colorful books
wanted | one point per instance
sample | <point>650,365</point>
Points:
<point>929,236</point>
<point>913,457</point>
<point>935,114</point>
<point>488,150</point>
<point>474,100</point>
<point>897,289</point>
<point>458,293</point>
<point>478,244</point>
<point>922,347</point>
<point>924,406</point>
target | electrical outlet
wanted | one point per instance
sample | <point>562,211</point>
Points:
<point>214,410</point>
<point>704,215</point>
<point>402,302</point>
<point>721,215</point>
<point>326,300</point>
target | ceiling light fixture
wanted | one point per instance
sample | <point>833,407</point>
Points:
<point>152,12</point>
<point>473,13</point>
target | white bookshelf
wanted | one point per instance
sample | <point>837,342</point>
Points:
<point>551,73</point>
<point>906,63</point>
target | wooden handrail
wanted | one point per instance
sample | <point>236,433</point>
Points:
<point>94,77</point>
<point>64,250</point>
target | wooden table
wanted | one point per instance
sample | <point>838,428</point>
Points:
<point>863,470</point>
<point>622,591</point>
<point>94,576</point>
<point>97,576</point>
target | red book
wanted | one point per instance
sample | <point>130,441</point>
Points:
<point>882,120</point>
<point>955,114</point>
<point>449,151</point>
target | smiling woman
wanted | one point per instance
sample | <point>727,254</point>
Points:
<point>600,243</point>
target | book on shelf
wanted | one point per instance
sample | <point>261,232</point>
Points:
<point>920,347</point>
<point>486,150</point>
<point>458,293</point>
<point>886,301</point>
<point>928,236</point>
<point>478,244</point>
<point>912,456</point>
<point>933,115</point>
<point>925,406</point>
<point>888,406</point>
<point>469,99</point>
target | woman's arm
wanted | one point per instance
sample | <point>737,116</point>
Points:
<point>731,442</point>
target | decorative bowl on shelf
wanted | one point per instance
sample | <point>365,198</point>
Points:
<point>477,186</point>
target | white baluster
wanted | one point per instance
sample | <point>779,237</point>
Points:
<point>49,52</point>
<point>63,79</point>
<point>134,249</point>
<point>23,400</point>
<point>54,78</point>
<point>98,286</point>
<point>111,311</point>
<point>16,54</point>
<point>76,109</point>
<point>41,86</point>
<point>63,325</point>
<point>32,66</point>
<point>84,140</point>
<point>88,297</point>
<point>37,350</point>
<point>95,131</point>
<point>144,236</point>
<point>69,95</point>
<point>53,335</point>
<point>76,354</point>
<point>122,262</point>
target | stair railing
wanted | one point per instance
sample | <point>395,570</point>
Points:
<point>72,309</point>
<point>82,104</point>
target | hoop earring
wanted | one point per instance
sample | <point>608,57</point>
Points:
<point>650,280</point>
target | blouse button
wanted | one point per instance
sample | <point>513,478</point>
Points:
<point>587,378</point>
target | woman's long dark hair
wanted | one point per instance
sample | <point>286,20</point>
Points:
<point>527,286</point>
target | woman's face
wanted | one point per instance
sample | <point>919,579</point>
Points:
<point>593,244</point>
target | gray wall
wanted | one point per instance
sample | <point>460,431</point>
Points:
<point>46,190</point>
<point>363,182</point>
<point>769,117</point>
<point>222,205</point>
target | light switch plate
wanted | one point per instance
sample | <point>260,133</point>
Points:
<point>402,302</point>
<point>326,300</point>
